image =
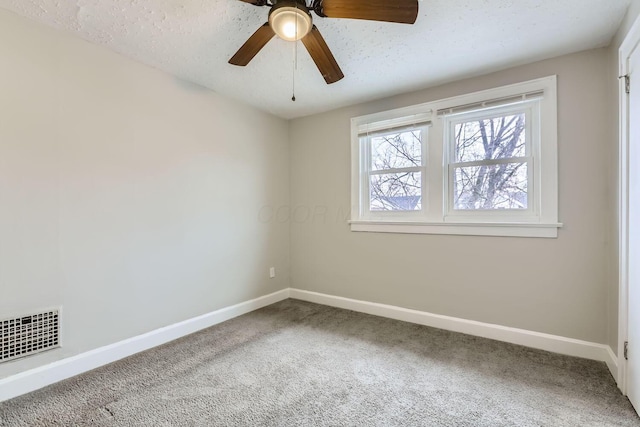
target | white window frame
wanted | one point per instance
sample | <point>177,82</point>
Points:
<point>367,172</point>
<point>437,216</point>
<point>531,109</point>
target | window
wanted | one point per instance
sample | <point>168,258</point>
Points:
<point>489,156</point>
<point>395,175</point>
<point>395,169</point>
<point>481,164</point>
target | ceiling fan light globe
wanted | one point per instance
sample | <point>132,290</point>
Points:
<point>290,23</point>
<point>289,30</point>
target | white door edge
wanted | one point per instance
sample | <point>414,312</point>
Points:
<point>630,43</point>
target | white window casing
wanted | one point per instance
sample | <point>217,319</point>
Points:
<point>536,100</point>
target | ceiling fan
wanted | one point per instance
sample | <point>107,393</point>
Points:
<point>291,20</point>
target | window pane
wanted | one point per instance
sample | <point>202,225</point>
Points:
<point>501,186</point>
<point>494,138</point>
<point>396,192</point>
<point>396,150</point>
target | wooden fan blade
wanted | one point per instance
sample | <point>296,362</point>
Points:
<point>252,46</point>
<point>256,2</point>
<point>400,11</point>
<point>322,56</point>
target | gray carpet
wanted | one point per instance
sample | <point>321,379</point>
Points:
<point>301,364</point>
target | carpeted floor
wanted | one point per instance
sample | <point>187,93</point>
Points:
<point>301,364</point>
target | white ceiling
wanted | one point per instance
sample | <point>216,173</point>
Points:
<point>451,39</point>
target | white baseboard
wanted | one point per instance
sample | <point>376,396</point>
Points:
<point>553,343</point>
<point>42,376</point>
<point>612,363</point>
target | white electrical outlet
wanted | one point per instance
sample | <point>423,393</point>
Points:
<point>272,272</point>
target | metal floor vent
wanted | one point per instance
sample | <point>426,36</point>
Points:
<point>26,335</point>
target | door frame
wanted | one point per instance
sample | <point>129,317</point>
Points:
<point>630,43</point>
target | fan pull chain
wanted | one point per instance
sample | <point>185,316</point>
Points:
<point>295,63</point>
<point>295,66</point>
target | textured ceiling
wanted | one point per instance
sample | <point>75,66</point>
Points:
<point>452,39</point>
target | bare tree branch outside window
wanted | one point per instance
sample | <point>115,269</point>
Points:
<point>490,169</point>
<point>395,182</point>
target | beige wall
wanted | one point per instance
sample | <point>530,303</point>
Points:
<point>128,197</point>
<point>135,200</point>
<point>558,286</point>
<point>629,19</point>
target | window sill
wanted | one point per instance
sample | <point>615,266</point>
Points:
<point>464,229</point>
